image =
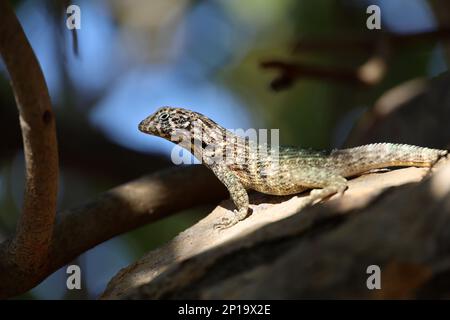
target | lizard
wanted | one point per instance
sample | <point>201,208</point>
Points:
<point>285,171</point>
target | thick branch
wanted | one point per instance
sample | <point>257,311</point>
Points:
<point>203,264</point>
<point>117,211</point>
<point>29,248</point>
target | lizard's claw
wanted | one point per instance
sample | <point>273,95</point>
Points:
<point>226,222</point>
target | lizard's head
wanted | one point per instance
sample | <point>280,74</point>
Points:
<point>204,138</point>
<point>166,122</point>
<point>173,124</point>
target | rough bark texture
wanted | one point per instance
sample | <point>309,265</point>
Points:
<point>398,220</point>
<point>320,252</point>
<point>25,256</point>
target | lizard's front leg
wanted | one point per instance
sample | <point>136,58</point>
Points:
<point>237,193</point>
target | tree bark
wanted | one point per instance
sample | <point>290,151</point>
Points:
<point>27,251</point>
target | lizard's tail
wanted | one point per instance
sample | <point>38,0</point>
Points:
<point>383,155</point>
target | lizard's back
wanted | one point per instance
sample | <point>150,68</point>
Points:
<point>293,170</point>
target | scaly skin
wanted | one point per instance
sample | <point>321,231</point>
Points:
<point>291,170</point>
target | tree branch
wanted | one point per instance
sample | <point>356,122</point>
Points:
<point>380,47</point>
<point>119,210</point>
<point>291,71</point>
<point>368,74</point>
<point>213,265</point>
<point>29,248</point>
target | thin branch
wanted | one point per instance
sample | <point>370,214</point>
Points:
<point>289,72</point>
<point>119,210</point>
<point>29,248</point>
<point>380,47</point>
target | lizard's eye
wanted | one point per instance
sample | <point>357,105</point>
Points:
<point>164,116</point>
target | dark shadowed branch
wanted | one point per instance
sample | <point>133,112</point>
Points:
<point>289,72</point>
<point>114,212</point>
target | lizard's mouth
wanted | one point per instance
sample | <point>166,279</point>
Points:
<point>145,126</point>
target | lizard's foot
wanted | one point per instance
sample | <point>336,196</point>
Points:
<point>317,195</point>
<point>320,194</point>
<point>226,222</point>
<point>229,221</point>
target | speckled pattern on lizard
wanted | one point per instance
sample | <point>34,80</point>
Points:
<point>284,171</point>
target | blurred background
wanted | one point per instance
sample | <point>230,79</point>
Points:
<point>308,68</point>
